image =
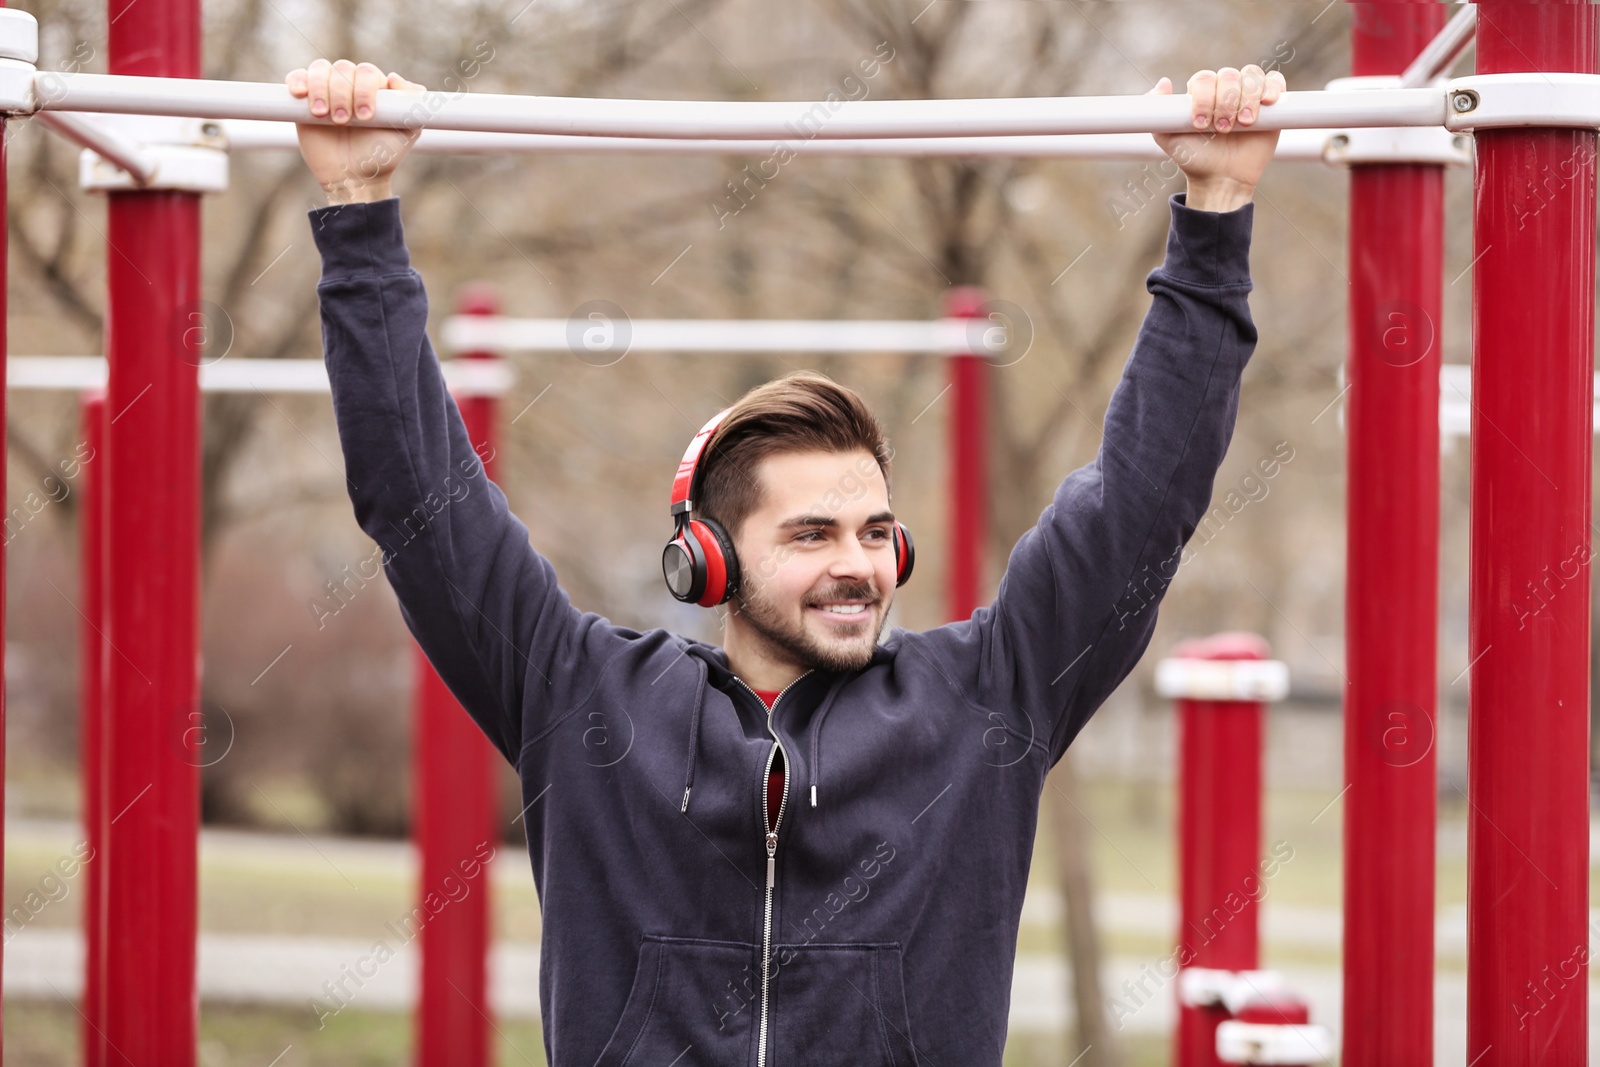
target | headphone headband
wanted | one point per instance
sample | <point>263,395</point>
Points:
<point>686,485</point>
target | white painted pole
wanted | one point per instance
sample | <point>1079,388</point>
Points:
<point>600,333</point>
<point>475,377</point>
<point>1297,145</point>
<point>735,120</point>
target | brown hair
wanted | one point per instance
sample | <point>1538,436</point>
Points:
<point>804,411</point>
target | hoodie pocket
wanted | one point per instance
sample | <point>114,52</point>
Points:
<point>839,1006</point>
<point>692,1002</point>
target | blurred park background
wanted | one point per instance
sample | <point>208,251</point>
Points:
<point>305,856</point>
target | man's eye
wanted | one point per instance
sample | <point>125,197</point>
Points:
<point>804,536</point>
<point>881,534</point>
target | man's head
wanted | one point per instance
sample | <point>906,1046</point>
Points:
<point>798,474</point>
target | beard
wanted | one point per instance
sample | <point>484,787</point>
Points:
<point>805,640</point>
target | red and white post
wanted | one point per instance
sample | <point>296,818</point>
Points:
<point>455,820</point>
<point>1533,277</point>
<point>1392,574</point>
<point>1221,684</point>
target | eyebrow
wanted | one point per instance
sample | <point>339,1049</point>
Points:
<point>828,521</point>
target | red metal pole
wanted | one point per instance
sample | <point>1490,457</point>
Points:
<point>1391,575</point>
<point>1219,839</point>
<point>152,580</point>
<point>455,824</point>
<point>1532,435</point>
<point>91,704</point>
<point>968,464</point>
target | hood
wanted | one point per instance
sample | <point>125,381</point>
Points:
<point>712,662</point>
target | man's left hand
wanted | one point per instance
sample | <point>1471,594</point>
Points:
<point>1225,159</point>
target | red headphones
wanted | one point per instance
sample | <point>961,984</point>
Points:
<point>699,562</point>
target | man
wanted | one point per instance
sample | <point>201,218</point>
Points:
<point>816,846</point>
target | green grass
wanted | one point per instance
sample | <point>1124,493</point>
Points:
<point>46,1035</point>
<point>1132,837</point>
<point>291,892</point>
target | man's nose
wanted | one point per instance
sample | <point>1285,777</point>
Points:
<point>852,561</point>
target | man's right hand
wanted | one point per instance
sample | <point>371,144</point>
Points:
<point>352,164</point>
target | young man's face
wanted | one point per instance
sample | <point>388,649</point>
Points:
<point>823,535</point>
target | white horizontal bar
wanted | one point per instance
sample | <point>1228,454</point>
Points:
<point>464,377</point>
<point>55,372</point>
<point>741,120</point>
<point>1298,145</point>
<point>478,377</point>
<point>600,334</point>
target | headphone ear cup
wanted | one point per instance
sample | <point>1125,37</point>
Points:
<point>721,562</point>
<point>904,557</point>
<point>683,565</point>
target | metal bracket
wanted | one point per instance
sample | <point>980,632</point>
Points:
<point>189,155</point>
<point>19,36</point>
<point>19,51</point>
<point>1399,144</point>
<point>18,95</point>
<point>1393,144</point>
<point>1496,101</point>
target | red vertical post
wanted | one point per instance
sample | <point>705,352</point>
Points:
<point>968,465</point>
<point>1533,279</point>
<point>1392,567</point>
<point>91,706</point>
<point>152,580</point>
<point>1219,826</point>
<point>455,822</point>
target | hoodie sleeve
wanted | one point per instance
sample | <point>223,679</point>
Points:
<point>482,603</point>
<point>1077,604</point>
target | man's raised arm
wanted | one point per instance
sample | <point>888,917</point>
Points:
<point>1077,605</point>
<point>482,604</point>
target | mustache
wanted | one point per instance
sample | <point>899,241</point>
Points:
<point>856,593</point>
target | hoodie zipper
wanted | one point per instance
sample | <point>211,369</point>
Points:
<point>770,837</point>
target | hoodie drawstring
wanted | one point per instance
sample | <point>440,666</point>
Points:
<point>816,736</point>
<point>694,734</point>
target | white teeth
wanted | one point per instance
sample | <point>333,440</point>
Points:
<point>845,609</point>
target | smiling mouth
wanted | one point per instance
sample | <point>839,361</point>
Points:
<point>843,612</point>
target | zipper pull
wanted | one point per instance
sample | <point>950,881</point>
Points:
<point>772,870</point>
<point>772,843</point>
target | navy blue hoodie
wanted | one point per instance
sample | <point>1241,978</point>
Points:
<point>884,930</point>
